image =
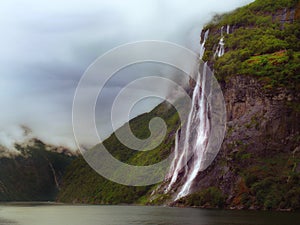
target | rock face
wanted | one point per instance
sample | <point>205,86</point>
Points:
<point>261,126</point>
<point>258,164</point>
<point>286,15</point>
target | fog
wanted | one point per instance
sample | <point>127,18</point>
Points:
<point>47,45</point>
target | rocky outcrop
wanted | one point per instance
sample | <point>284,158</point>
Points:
<point>262,126</point>
<point>286,15</point>
<point>258,164</point>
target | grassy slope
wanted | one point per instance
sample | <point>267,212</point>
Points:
<point>82,184</point>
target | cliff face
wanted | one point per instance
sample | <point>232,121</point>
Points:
<point>258,166</point>
<point>259,163</point>
<point>286,15</point>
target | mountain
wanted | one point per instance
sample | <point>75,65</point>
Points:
<point>34,172</point>
<point>82,184</point>
<point>255,55</point>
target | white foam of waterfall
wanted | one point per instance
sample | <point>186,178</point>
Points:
<point>199,128</point>
<point>220,51</point>
<point>184,142</point>
<point>175,160</point>
<point>193,150</point>
<point>180,159</point>
<point>202,47</point>
<point>221,47</point>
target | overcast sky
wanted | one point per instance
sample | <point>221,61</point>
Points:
<point>47,45</point>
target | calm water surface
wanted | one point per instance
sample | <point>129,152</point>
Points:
<point>37,214</point>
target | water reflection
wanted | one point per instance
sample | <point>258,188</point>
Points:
<point>7,222</point>
<point>37,214</point>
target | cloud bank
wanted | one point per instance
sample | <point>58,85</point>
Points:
<point>47,45</point>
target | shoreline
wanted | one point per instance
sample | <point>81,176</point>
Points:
<point>54,203</point>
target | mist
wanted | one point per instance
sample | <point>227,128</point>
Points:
<point>47,45</point>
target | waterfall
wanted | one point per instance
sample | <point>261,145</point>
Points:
<point>53,173</point>
<point>190,147</point>
<point>220,51</point>
<point>228,29</point>
<point>202,47</point>
<point>184,142</point>
<point>174,162</point>
<point>199,127</point>
<point>221,47</point>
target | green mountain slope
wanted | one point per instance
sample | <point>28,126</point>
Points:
<point>83,185</point>
<point>35,175</point>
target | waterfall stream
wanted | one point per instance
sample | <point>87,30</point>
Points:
<point>202,47</point>
<point>220,51</point>
<point>198,129</point>
<point>190,146</point>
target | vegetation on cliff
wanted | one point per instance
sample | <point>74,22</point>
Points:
<point>263,42</point>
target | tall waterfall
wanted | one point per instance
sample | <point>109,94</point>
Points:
<point>190,147</point>
<point>198,130</point>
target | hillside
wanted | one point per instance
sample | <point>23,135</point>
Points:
<point>98,190</point>
<point>258,166</point>
<point>33,175</point>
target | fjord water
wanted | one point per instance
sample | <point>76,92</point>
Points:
<point>35,214</point>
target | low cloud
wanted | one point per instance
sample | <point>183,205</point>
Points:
<point>47,45</point>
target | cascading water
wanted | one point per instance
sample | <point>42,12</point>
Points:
<point>228,29</point>
<point>191,146</point>
<point>202,47</point>
<point>220,51</point>
<point>199,127</point>
<point>179,162</point>
<point>173,165</point>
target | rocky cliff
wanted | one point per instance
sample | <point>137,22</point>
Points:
<point>259,163</point>
<point>258,166</point>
